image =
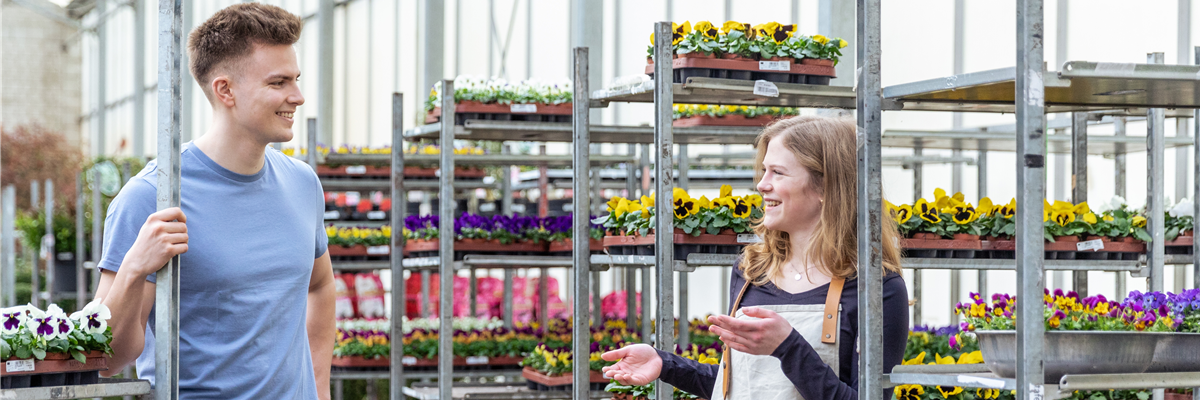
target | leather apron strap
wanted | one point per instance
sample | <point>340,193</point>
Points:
<point>828,325</point>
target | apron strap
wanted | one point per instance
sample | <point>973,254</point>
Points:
<point>832,300</point>
<point>725,354</point>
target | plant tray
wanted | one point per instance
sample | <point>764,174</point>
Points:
<point>54,370</point>
<point>536,380</point>
<point>1181,245</point>
<point>941,248</point>
<point>537,112</point>
<point>743,69</point>
<point>626,396</point>
<point>724,243</point>
<point>383,172</point>
<point>429,248</point>
<point>360,251</point>
<point>1095,352</point>
<point>729,120</point>
<point>566,246</point>
<point>1006,249</point>
<point>358,362</point>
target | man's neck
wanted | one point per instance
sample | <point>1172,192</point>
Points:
<point>231,148</point>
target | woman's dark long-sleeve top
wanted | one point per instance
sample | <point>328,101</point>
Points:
<point>801,364</point>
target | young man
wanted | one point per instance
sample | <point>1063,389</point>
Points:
<point>256,294</point>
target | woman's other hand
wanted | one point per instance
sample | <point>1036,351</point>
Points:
<point>639,364</point>
<point>760,336</point>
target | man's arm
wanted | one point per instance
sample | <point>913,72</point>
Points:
<point>126,291</point>
<point>322,329</point>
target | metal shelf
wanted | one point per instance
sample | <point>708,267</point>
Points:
<point>105,388</point>
<point>473,159</point>
<point>425,374</point>
<point>734,92</point>
<point>348,185</point>
<point>1080,86</point>
<point>470,261</point>
<point>978,376</point>
<point>561,132</point>
<point>1136,267</point>
<point>991,141</point>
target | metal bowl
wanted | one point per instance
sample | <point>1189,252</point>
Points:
<point>1074,352</point>
<point>1177,352</point>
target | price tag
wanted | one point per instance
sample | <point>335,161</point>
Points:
<point>748,238</point>
<point>356,169</point>
<point>1093,245</point>
<point>19,365</point>
<point>378,250</point>
<point>333,214</point>
<point>377,215</point>
<point>477,360</point>
<point>764,88</point>
<point>523,108</point>
<point>774,65</point>
<point>409,360</point>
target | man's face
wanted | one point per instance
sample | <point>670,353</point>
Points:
<point>266,92</point>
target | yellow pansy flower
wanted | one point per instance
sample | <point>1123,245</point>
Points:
<point>730,26</point>
<point>918,360</point>
<point>909,392</point>
<point>1089,218</point>
<point>964,214</point>
<point>680,31</point>
<point>842,43</point>
<point>949,391</point>
<point>754,200</point>
<point>820,39</point>
<point>985,207</point>
<point>726,191</point>
<point>1138,221</point>
<point>974,357</point>
<point>706,29</point>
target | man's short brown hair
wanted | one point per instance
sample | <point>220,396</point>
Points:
<point>230,35</point>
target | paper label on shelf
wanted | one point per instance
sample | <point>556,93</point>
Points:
<point>774,65</point>
<point>19,365</point>
<point>1036,392</point>
<point>377,250</point>
<point>1090,245</point>
<point>748,238</point>
<point>480,360</point>
<point>333,214</point>
<point>1118,69</point>
<point>409,360</point>
<point>764,88</point>
<point>985,382</point>
<point>356,169</point>
<point>523,108</point>
<point>376,215</point>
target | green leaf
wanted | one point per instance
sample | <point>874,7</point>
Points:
<point>39,354</point>
<point>5,350</point>
<point>99,338</point>
<point>1143,396</point>
<point>78,356</point>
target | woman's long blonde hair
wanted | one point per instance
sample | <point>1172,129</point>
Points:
<point>826,148</point>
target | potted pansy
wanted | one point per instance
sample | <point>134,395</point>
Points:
<point>722,225</point>
<point>820,50</point>
<point>734,41</point>
<point>679,32</point>
<point>561,231</point>
<point>50,348</point>
<point>1179,223</point>
<point>711,115</point>
<point>359,241</point>
<point>475,233</point>
<point>498,99</point>
<point>945,346</point>
<point>702,354</point>
<point>770,42</point>
<point>549,365</point>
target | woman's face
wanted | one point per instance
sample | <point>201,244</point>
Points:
<point>790,201</point>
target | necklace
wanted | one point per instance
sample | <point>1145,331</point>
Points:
<point>798,275</point>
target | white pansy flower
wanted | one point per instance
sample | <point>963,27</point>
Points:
<point>93,318</point>
<point>11,319</point>
<point>40,323</point>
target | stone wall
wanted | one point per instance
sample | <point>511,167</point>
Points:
<point>40,71</point>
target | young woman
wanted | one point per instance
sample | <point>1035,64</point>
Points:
<point>794,325</point>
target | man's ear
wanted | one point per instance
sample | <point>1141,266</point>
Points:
<point>222,90</point>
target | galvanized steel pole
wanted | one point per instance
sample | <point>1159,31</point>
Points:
<point>918,171</point>
<point>1079,183</point>
<point>630,273</point>
<point>399,207</point>
<point>1119,187</point>
<point>35,278</point>
<point>8,258</point>
<point>1156,186</point>
<point>312,152</point>
<point>139,85</point>
<point>48,241</point>
<point>325,56</point>
<point>81,286</point>
<point>446,246</point>
<point>869,104</point>
<point>981,168</point>
<point>166,299</point>
<point>580,251</point>
<point>1195,198</point>
<point>1031,191</point>
<point>684,322</point>
<point>664,246</point>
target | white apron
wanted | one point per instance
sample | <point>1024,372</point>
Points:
<point>761,377</point>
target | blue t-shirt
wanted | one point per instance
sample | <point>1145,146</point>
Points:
<point>252,242</point>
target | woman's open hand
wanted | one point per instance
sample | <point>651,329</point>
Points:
<point>639,364</point>
<point>760,336</point>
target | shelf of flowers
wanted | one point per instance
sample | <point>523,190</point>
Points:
<point>949,227</point>
<point>705,349</point>
<point>705,115</point>
<point>335,165</point>
<point>49,348</point>
<point>718,226</point>
<point>770,52</point>
<point>352,206</point>
<point>497,99</point>
<point>1146,332</point>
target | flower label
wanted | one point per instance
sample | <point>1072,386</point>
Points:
<point>764,88</point>
<point>376,215</point>
<point>774,65</point>
<point>748,238</point>
<point>19,365</point>
<point>480,360</point>
<point>523,108</point>
<point>378,250</point>
<point>1094,245</point>
<point>408,360</point>
<point>356,169</point>
<point>333,214</point>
